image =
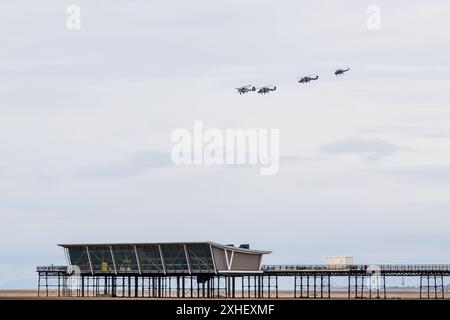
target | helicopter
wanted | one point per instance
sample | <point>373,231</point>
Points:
<point>245,89</point>
<point>266,89</point>
<point>307,79</point>
<point>341,71</point>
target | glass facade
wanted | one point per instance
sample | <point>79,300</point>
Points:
<point>149,258</point>
<point>174,257</point>
<point>101,258</point>
<point>157,258</point>
<point>78,257</point>
<point>125,258</point>
<point>200,258</point>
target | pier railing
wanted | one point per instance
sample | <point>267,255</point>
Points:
<point>320,267</point>
<point>51,269</point>
<point>371,267</point>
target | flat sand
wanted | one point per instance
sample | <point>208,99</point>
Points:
<point>390,294</point>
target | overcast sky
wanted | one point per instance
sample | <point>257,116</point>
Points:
<point>86,118</point>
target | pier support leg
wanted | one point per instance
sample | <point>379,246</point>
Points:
<point>349,286</point>
<point>420,287</point>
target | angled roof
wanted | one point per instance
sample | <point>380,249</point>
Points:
<point>214,244</point>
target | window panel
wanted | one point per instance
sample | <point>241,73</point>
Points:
<point>78,257</point>
<point>149,258</point>
<point>125,258</point>
<point>101,258</point>
<point>174,257</point>
<point>200,258</point>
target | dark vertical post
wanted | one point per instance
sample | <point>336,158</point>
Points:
<point>170,287</point>
<point>129,286</point>
<point>314,284</point>
<point>113,286</point>
<point>307,286</point>
<point>82,286</point>
<point>136,286</point>
<point>59,284</point>
<point>123,286</point>
<point>46,284</point>
<point>362,286</point>
<point>39,283</point>
<point>202,289</point>
<point>230,286</point>
<point>276,286</point>
<point>378,288</point>
<point>435,287</point>
<point>329,287</point>
<point>295,286</point>
<point>184,285</point>
<point>301,286</point>
<point>349,285</point>
<point>262,286</point>
<point>321,286</point>
<point>151,286</point>
<point>420,287</point>
<point>234,286</point>
<point>384,285</point>
<point>259,287</point>
<point>218,286</point>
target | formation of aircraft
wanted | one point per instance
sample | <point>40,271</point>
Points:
<point>267,89</point>
<point>251,88</point>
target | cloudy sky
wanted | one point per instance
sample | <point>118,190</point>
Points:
<point>86,118</point>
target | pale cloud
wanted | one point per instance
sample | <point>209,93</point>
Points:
<point>420,174</point>
<point>371,150</point>
<point>137,163</point>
